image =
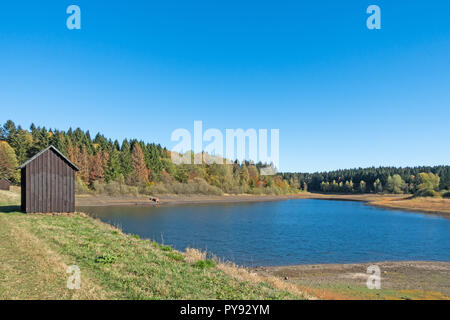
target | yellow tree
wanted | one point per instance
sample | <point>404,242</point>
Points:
<point>429,183</point>
<point>8,162</point>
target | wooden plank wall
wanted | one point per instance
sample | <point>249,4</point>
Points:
<point>4,185</point>
<point>49,185</point>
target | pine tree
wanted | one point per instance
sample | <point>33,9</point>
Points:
<point>113,167</point>
<point>125,159</point>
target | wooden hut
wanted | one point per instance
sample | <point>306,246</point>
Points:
<point>48,182</point>
<point>4,184</point>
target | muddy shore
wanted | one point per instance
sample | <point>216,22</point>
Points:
<point>400,202</point>
<point>399,280</point>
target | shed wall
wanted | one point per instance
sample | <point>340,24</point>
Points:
<point>48,185</point>
<point>4,184</point>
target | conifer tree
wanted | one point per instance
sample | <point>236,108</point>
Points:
<point>140,172</point>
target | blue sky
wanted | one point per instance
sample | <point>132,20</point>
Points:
<point>341,95</point>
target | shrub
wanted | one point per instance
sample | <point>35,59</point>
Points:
<point>165,248</point>
<point>98,187</point>
<point>446,194</point>
<point>107,258</point>
<point>175,256</point>
<point>81,187</point>
<point>112,188</point>
<point>429,193</point>
<point>204,264</point>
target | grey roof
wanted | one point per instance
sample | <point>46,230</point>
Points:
<point>5,179</point>
<point>70,163</point>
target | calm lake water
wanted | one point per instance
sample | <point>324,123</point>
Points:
<point>289,232</point>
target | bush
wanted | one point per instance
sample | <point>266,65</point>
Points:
<point>81,187</point>
<point>195,186</point>
<point>236,190</point>
<point>429,193</point>
<point>112,188</point>
<point>106,259</point>
<point>446,194</point>
<point>165,248</point>
<point>98,187</point>
<point>175,256</point>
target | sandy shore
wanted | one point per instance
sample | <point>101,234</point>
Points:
<point>399,280</point>
<point>401,202</point>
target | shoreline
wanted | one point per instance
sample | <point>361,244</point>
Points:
<point>433,206</point>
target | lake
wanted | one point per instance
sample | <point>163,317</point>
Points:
<point>302,231</point>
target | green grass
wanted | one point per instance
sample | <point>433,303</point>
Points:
<point>36,250</point>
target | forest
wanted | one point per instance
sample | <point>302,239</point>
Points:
<point>424,181</point>
<point>133,167</point>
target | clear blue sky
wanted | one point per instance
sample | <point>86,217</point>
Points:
<point>342,96</point>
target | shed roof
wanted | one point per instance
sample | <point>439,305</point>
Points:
<point>70,163</point>
<point>5,180</point>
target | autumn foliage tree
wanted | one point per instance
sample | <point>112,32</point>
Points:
<point>140,171</point>
<point>96,172</point>
<point>8,162</point>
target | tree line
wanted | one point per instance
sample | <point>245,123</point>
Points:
<point>131,166</point>
<point>424,180</point>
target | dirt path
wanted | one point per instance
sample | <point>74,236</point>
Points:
<point>399,280</point>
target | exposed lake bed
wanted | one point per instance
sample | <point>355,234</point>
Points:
<point>438,206</point>
<point>399,279</point>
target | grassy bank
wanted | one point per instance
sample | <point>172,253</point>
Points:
<point>37,249</point>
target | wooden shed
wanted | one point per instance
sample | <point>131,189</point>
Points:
<point>4,184</point>
<point>48,182</point>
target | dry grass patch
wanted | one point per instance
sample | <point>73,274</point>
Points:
<point>242,274</point>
